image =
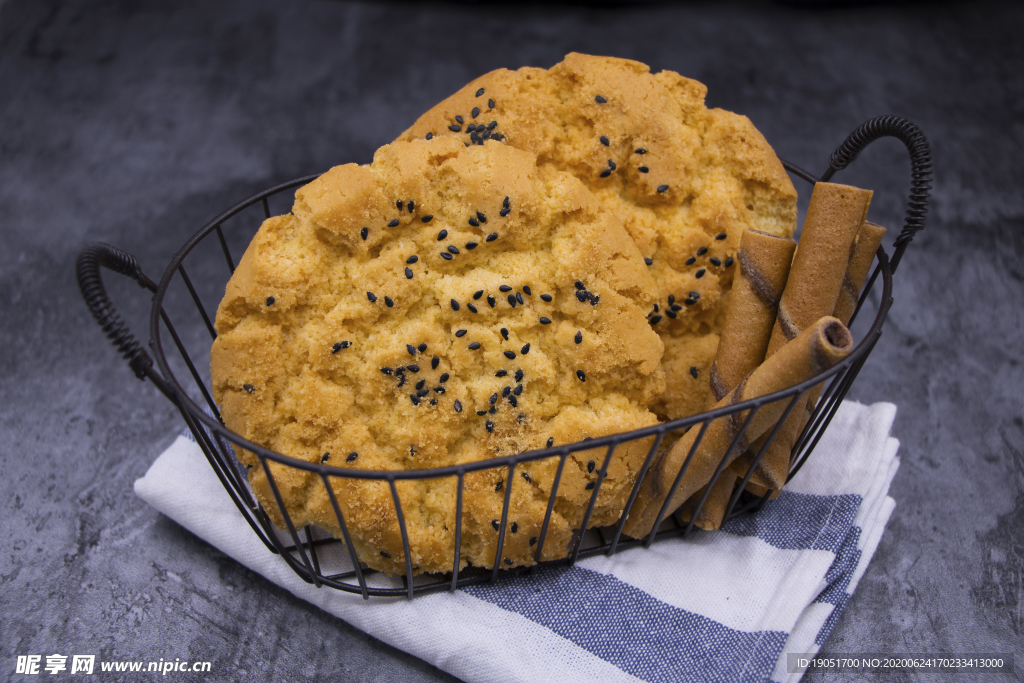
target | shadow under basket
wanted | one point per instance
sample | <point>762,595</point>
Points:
<point>323,560</point>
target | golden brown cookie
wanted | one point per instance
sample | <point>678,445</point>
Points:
<point>684,179</point>
<point>443,305</point>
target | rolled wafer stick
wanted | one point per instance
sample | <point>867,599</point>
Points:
<point>834,216</point>
<point>764,261</point>
<point>816,349</point>
<point>711,513</point>
<point>862,255</point>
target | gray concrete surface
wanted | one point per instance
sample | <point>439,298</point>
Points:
<point>134,122</point>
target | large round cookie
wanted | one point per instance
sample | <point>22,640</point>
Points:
<point>684,179</point>
<point>444,305</point>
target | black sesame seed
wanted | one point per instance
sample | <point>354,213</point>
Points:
<point>460,333</point>
<point>549,444</point>
<point>412,259</point>
<point>648,261</point>
<point>641,151</point>
<point>519,375</point>
<point>611,164</point>
<point>408,273</point>
<point>545,321</point>
<point>510,355</point>
<point>412,206</point>
<point>474,222</point>
<point>519,298</point>
<point>493,124</point>
<point>270,301</point>
<point>533,540</point>
<point>422,392</point>
<point>655,320</point>
<point>690,261</point>
<point>492,410</point>
<point>471,307</point>
<point>427,219</point>
<point>501,373</point>
<point>479,92</point>
<point>386,371</point>
<point>364,232</point>
<point>702,251</point>
<point>671,314</point>
<point>581,375</point>
<point>498,486</point>
<point>439,390</point>
<point>525,350</point>
<point>713,261</point>
<point>248,388</point>
<point>393,223</point>
<point>580,286</point>
<point>694,372</point>
<point>728,262</point>
<point>385,554</point>
<point>689,302</point>
<point>443,378</point>
<point>421,348</point>
<point>490,428</point>
<point>420,384</point>
<point>518,390</point>
<point>504,333</point>
<point>511,300</point>
<point>720,236</point>
<point>412,368</point>
<point>508,562</point>
<point>676,307</point>
<point>671,299</point>
<point>662,188</point>
<point>372,297</point>
<point>579,337</point>
<point>490,238</point>
<point>605,173</point>
<point>337,347</point>
<point>458,117</point>
<point>643,169</point>
<point>515,527</point>
<point>694,295</point>
<point>471,245</point>
<point>415,399</point>
<point>475,112</point>
<point>457,405</point>
<point>504,288</point>
<point>474,346</point>
<point>400,204</point>
<point>481,217</point>
<point>600,99</point>
<point>506,391</point>
<point>491,300</point>
<point>434,362</point>
<point>699,274</point>
<point>452,249</point>
<point>590,485</point>
<point>604,140</point>
<point>581,296</point>
<point>441,235</point>
<point>481,412</point>
<point>389,302</point>
<point>527,290</point>
<point>446,256</point>
<point>545,297</point>
<point>411,349</point>
<point>433,401</point>
<point>430,136</point>
<point>591,465</point>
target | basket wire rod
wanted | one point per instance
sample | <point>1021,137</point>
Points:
<point>799,172</point>
<point>308,577</point>
<point>864,294</point>
<point>678,480</point>
<point>348,538</point>
<point>201,439</point>
<point>405,535</point>
<point>191,367</point>
<point>551,504</point>
<point>266,208</point>
<point>718,471</point>
<point>313,555</point>
<point>826,398</point>
<point>195,298</point>
<point>458,530</point>
<point>590,506</point>
<point>509,480</point>
<point>793,403</point>
<point>853,372</point>
<point>825,413</point>
<point>228,457</point>
<point>633,494</point>
<point>224,248</point>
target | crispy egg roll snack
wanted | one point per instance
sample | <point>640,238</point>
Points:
<point>816,349</point>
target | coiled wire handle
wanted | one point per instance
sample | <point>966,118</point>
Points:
<point>920,169</point>
<point>91,284</point>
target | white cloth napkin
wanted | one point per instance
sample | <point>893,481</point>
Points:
<point>717,606</point>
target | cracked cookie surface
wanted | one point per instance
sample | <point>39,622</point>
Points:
<point>444,305</point>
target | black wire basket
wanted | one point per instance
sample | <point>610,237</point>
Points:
<point>305,549</point>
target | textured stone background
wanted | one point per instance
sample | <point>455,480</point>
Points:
<point>135,122</point>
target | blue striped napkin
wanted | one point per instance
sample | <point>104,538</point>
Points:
<point>717,606</point>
